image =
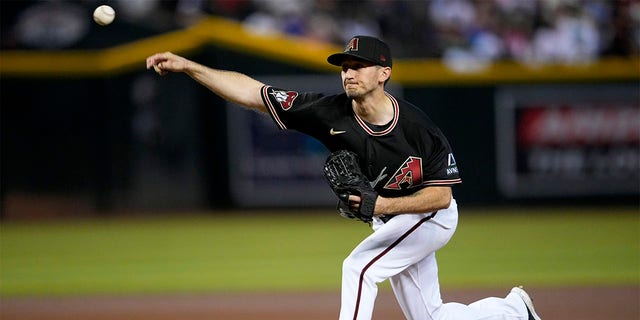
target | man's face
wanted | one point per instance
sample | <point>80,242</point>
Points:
<point>360,77</point>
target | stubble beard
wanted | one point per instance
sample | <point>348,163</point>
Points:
<point>354,92</point>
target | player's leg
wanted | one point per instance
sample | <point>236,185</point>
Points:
<point>359,287</point>
<point>359,290</point>
<point>417,287</point>
<point>417,290</point>
<point>393,247</point>
<point>510,307</point>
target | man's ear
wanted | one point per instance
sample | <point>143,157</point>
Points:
<point>385,74</point>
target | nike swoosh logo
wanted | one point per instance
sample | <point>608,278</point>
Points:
<point>333,132</point>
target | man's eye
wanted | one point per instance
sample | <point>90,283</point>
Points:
<point>353,67</point>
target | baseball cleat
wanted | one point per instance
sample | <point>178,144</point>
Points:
<point>527,301</point>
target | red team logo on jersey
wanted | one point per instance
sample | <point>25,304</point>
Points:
<point>285,98</point>
<point>409,175</point>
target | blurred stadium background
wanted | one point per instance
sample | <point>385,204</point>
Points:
<point>540,100</point>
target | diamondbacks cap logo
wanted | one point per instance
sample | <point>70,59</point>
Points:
<point>352,45</point>
<point>285,98</point>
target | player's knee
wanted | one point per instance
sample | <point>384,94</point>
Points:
<point>353,264</point>
<point>350,265</point>
<point>360,270</point>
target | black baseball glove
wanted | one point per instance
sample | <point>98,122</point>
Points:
<point>342,171</point>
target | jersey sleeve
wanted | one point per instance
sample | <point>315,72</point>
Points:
<point>440,167</point>
<point>290,109</point>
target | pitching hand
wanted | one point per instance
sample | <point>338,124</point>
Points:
<point>166,62</point>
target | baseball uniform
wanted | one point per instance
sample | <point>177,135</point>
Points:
<point>407,154</point>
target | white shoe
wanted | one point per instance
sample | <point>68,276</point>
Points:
<point>527,301</point>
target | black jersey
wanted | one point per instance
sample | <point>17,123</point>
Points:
<point>407,154</point>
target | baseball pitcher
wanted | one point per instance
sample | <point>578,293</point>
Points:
<point>390,167</point>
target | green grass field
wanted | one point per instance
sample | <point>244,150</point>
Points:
<point>259,252</point>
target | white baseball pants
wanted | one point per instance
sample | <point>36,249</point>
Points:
<point>403,250</point>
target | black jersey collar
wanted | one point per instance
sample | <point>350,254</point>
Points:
<point>372,132</point>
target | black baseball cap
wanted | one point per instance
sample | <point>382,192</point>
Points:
<point>366,48</point>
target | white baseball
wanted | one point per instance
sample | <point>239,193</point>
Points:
<point>104,15</point>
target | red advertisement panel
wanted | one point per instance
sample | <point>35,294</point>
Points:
<point>568,141</point>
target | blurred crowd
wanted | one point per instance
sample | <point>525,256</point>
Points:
<point>564,31</point>
<point>543,31</point>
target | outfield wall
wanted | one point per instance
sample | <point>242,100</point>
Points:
<point>96,124</point>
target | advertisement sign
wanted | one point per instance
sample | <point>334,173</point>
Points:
<point>580,140</point>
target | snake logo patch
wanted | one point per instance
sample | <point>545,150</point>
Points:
<point>285,98</point>
<point>408,175</point>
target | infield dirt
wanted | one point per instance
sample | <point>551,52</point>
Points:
<point>587,303</point>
